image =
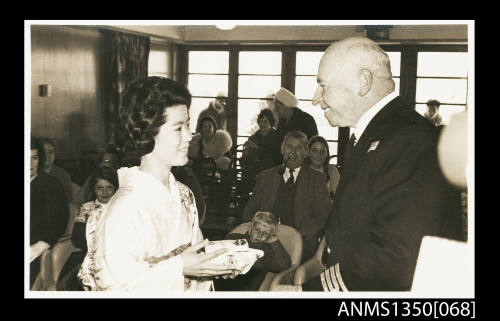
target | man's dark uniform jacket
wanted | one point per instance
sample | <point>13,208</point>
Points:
<point>299,120</point>
<point>391,193</point>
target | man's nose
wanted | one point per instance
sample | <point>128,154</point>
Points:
<point>317,96</point>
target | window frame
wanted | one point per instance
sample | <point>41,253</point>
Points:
<point>407,85</point>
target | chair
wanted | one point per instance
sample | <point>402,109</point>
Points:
<point>51,264</point>
<point>292,242</point>
<point>304,272</point>
<point>312,267</point>
<point>43,278</point>
<point>54,258</point>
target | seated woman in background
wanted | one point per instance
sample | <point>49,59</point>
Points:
<point>49,148</point>
<point>319,159</point>
<point>48,209</point>
<point>206,148</point>
<point>108,158</point>
<point>260,235</point>
<point>148,239</point>
<point>103,183</point>
<point>263,149</point>
<point>210,142</point>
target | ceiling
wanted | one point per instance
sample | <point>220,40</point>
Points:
<point>293,33</point>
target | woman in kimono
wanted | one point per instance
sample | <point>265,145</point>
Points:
<point>148,239</point>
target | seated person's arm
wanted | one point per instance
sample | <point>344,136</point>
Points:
<point>277,258</point>
<point>78,237</point>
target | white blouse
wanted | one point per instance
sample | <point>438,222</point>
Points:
<point>143,222</point>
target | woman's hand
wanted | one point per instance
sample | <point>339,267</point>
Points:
<point>197,264</point>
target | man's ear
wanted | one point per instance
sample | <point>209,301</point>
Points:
<point>365,79</point>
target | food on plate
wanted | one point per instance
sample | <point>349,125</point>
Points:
<point>238,254</point>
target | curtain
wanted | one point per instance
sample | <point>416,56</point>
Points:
<point>129,62</point>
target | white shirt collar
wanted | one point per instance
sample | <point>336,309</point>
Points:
<point>286,174</point>
<point>370,113</point>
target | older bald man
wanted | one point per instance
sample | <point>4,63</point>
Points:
<point>391,192</point>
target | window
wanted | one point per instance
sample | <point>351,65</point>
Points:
<point>307,63</point>
<point>259,77</point>
<point>159,62</point>
<point>442,76</point>
<point>207,77</point>
<point>306,68</point>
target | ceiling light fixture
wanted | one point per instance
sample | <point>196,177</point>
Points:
<point>225,27</point>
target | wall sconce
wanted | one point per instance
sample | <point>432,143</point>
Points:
<point>377,32</point>
<point>44,90</point>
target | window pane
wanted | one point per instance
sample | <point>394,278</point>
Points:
<point>445,90</point>
<point>158,74</point>
<point>396,84</point>
<point>305,86</point>
<point>260,62</point>
<point>395,58</point>
<point>209,62</point>
<point>240,140</point>
<point>324,127</point>
<point>308,62</point>
<point>158,62</point>
<point>197,105</point>
<point>445,111</point>
<point>333,146</point>
<point>207,85</point>
<point>248,110</point>
<point>442,64</point>
<point>258,86</point>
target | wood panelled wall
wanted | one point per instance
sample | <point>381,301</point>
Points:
<point>75,63</point>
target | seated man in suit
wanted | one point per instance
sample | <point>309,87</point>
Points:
<point>294,192</point>
<point>260,235</point>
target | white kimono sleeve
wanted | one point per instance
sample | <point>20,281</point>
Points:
<point>125,242</point>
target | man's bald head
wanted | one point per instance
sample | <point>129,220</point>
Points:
<point>353,75</point>
<point>361,53</point>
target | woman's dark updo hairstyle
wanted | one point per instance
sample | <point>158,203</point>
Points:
<point>266,112</point>
<point>106,173</point>
<point>143,108</point>
<point>323,141</point>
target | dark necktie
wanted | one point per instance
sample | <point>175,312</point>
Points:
<point>290,180</point>
<point>350,148</point>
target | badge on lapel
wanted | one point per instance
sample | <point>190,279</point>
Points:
<point>373,146</point>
